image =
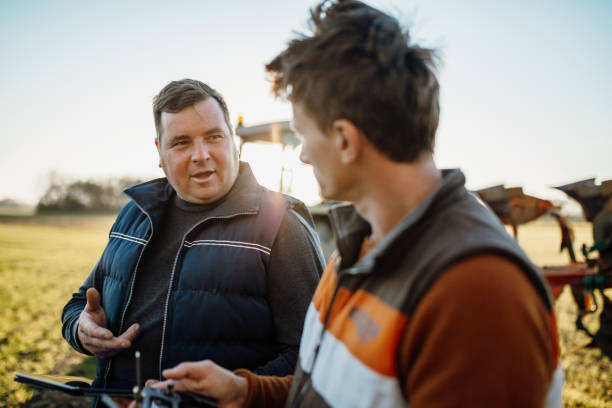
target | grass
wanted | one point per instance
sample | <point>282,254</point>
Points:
<point>44,259</point>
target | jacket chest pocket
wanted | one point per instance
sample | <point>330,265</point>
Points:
<point>218,266</point>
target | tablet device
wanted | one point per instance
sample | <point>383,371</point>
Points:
<point>71,385</point>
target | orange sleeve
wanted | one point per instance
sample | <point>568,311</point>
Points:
<point>481,337</point>
<point>265,391</point>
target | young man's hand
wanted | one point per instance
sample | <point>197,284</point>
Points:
<point>206,378</point>
<point>94,334</point>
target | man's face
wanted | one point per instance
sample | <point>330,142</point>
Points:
<point>197,152</point>
<point>320,151</point>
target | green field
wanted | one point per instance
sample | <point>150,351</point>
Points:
<point>44,259</point>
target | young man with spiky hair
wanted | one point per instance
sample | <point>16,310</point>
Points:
<point>428,302</point>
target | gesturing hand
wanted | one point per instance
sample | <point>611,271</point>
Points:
<point>93,333</point>
<point>206,378</point>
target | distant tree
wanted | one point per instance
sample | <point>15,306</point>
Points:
<point>84,195</point>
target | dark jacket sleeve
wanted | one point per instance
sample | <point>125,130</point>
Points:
<point>72,311</point>
<point>296,264</point>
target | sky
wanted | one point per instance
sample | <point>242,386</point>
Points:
<point>525,86</point>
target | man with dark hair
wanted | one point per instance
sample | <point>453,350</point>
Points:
<point>204,263</point>
<point>428,302</point>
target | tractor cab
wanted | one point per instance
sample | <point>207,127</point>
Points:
<point>280,133</point>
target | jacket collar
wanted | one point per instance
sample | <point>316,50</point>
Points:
<point>243,198</point>
<point>351,229</point>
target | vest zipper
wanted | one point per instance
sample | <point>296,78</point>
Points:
<point>133,280</point>
<point>161,348</point>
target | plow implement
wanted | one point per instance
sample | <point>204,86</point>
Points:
<point>514,208</point>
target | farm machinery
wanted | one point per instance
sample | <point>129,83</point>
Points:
<point>593,273</point>
<point>596,203</point>
<point>281,133</point>
<point>513,207</point>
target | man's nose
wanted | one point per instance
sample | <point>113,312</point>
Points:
<point>200,152</point>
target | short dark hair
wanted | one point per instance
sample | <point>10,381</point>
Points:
<point>178,95</point>
<point>359,65</point>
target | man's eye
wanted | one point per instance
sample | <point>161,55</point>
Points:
<point>215,137</point>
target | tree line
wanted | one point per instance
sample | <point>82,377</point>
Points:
<point>90,195</point>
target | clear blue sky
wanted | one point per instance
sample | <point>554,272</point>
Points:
<point>526,86</point>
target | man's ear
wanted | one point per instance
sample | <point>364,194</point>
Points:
<point>158,152</point>
<point>348,139</point>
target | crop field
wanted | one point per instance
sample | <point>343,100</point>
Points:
<point>44,259</point>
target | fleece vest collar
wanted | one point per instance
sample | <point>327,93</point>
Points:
<point>351,228</point>
<point>244,197</point>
